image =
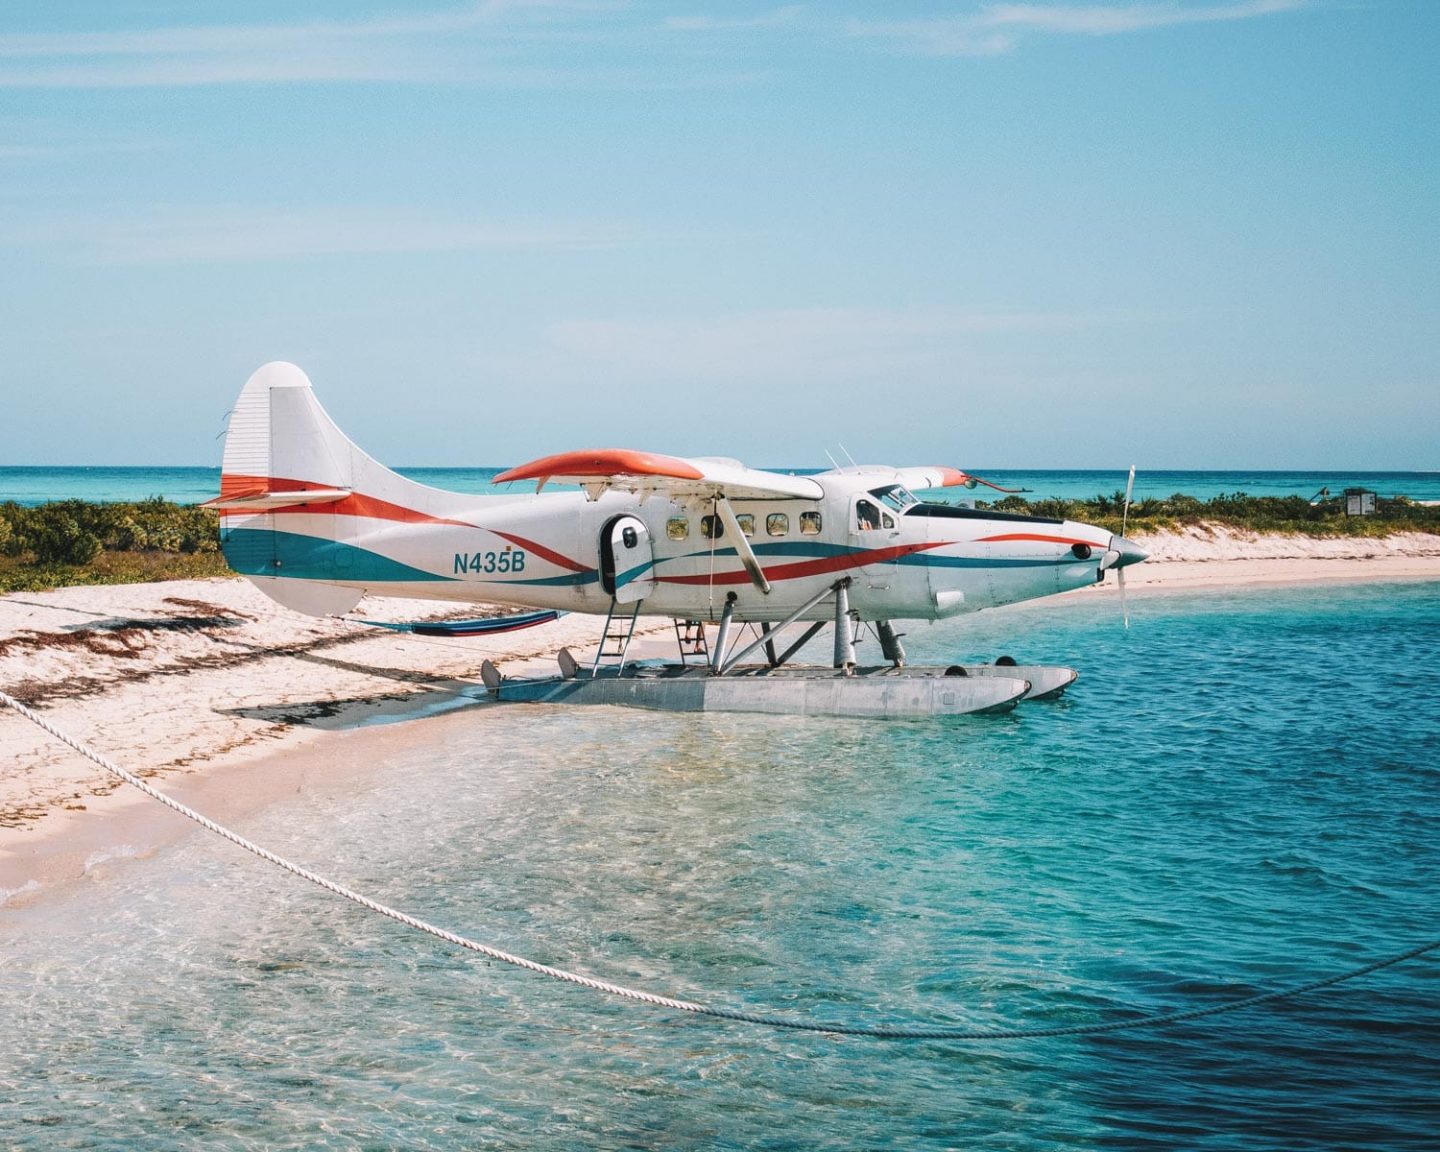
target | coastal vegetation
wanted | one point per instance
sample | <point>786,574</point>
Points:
<point>80,542</point>
<point>1270,515</point>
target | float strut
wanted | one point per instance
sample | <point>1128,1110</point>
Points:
<point>805,638</point>
<point>769,646</point>
<point>844,639</point>
<point>722,638</point>
<point>768,637</point>
<point>890,644</point>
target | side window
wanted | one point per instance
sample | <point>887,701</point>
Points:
<point>867,516</point>
<point>777,524</point>
<point>712,527</point>
<point>886,519</point>
<point>809,523</point>
<point>677,527</point>
<point>746,520</point>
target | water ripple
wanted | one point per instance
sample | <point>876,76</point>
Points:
<point>1238,794</point>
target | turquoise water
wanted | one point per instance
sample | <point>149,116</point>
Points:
<point>1241,792</point>
<point>192,485</point>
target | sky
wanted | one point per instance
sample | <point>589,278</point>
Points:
<point>1174,233</point>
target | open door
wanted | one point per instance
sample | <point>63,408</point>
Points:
<point>627,560</point>
<point>874,528</point>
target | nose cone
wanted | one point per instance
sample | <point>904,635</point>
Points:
<point>1126,552</point>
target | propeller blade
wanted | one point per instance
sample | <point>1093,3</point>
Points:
<point>1124,610</point>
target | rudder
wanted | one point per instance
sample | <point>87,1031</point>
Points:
<point>282,450</point>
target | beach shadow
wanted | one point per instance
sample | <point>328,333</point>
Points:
<point>164,624</point>
<point>411,676</point>
<point>344,713</point>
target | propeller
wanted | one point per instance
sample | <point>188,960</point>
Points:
<point>1125,523</point>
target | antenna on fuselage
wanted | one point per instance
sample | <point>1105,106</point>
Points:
<point>832,459</point>
<point>847,455</point>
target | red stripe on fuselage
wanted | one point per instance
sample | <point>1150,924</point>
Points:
<point>546,553</point>
<point>1068,540</point>
<point>804,567</point>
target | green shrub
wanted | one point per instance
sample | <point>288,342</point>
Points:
<point>58,537</point>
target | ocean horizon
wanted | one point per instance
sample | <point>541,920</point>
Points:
<point>40,484</point>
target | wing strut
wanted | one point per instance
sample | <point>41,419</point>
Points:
<point>742,545</point>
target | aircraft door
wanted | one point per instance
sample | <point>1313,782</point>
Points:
<point>627,560</point>
<point>874,528</point>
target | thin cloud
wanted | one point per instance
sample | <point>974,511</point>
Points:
<point>245,235</point>
<point>998,28</point>
<point>777,18</point>
<point>424,47</point>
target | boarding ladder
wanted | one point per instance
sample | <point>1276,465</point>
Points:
<point>690,635</point>
<point>615,640</point>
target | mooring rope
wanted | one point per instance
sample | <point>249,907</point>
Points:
<point>878,1032</point>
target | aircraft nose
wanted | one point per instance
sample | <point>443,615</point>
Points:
<point>1125,553</point>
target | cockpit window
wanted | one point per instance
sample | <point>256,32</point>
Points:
<point>895,495</point>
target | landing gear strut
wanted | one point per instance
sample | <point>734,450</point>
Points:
<point>890,644</point>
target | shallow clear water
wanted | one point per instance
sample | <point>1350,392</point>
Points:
<point>36,485</point>
<point>1241,792</point>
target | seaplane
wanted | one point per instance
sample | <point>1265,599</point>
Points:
<point>727,552</point>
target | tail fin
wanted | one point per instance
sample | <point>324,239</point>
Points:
<point>283,452</point>
<point>281,441</point>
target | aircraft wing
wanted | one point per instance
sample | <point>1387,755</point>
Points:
<point>936,476</point>
<point>628,470</point>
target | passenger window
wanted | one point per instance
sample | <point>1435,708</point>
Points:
<point>777,524</point>
<point>867,516</point>
<point>712,527</point>
<point>747,523</point>
<point>809,523</point>
<point>677,527</point>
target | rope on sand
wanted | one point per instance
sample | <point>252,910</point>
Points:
<point>878,1032</point>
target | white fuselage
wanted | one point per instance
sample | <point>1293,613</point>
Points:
<point>917,561</point>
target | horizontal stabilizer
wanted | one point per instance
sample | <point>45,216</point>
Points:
<point>260,500</point>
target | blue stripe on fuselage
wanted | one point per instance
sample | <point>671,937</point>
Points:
<point>295,556</point>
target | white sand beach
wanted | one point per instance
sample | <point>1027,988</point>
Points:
<point>202,684</point>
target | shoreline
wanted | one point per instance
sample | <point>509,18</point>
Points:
<point>185,682</point>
